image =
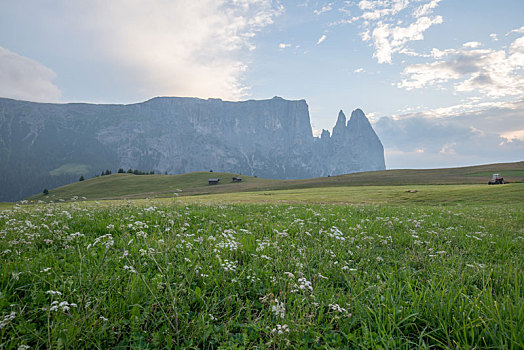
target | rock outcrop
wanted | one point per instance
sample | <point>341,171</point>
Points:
<point>47,145</point>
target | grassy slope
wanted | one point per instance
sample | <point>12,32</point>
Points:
<point>120,186</point>
<point>427,195</point>
<point>4,205</point>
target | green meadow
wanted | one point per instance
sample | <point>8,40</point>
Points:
<point>368,267</point>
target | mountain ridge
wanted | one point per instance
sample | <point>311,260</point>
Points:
<point>269,138</point>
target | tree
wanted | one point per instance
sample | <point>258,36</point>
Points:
<point>152,172</point>
<point>45,192</point>
<point>120,171</point>
<point>130,171</point>
<point>210,170</point>
<point>81,178</point>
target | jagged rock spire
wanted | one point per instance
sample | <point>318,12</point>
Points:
<point>340,126</point>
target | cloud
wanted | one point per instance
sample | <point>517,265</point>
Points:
<point>25,79</point>
<point>516,30</point>
<point>321,39</point>
<point>511,136</point>
<point>359,70</point>
<point>426,9</point>
<point>489,135</point>
<point>493,73</point>
<point>183,47</point>
<point>472,44</point>
<point>325,8</point>
<point>283,45</point>
<point>388,39</point>
<point>382,24</point>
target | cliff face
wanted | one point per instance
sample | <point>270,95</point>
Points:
<point>45,145</point>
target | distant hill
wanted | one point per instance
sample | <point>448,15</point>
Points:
<point>120,186</point>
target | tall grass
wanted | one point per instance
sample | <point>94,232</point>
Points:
<point>167,275</point>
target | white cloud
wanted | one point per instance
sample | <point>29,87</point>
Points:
<point>325,8</point>
<point>426,9</point>
<point>511,136</point>
<point>321,39</point>
<point>493,73</point>
<point>283,45</point>
<point>25,79</point>
<point>382,23</point>
<point>472,44</point>
<point>388,39</point>
<point>183,47</point>
<point>359,70</point>
<point>516,30</point>
<point>493,37</point>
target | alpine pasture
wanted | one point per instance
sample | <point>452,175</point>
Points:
<point>438,268</point>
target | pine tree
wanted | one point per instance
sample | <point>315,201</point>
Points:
<point>45,192</point>
<point>120,171</point>
<point>81,178</point>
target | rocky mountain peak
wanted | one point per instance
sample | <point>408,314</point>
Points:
<point>340,126</point>
<point>47,145</point>
<point>358,120</point>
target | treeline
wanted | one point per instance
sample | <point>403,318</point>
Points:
<point>122,171</point>
<point>130,171</point>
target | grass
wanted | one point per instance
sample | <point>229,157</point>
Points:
<point>317,263</point>
<point>170,274</point>
<point>4,205</point>
<point>510,194</point>
<point>125,186</point>
<point>122,186</point>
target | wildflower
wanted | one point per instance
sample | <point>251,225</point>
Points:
<point>280,329</point>
<point>337,308</point>
<point>304,284</point>
<point>7,319</point>
<point>130,268</point>
<point>53,292</point>
<point>279,309</point>
<point>229,265</point>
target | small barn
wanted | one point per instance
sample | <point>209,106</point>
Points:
<point>213,181</point>
<point>237,179</point>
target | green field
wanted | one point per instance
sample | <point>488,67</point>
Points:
<point>510,194</point>
<point>4,205</point>
<point>319,263</point>
<point>381,268</point>
<point>123,186</point>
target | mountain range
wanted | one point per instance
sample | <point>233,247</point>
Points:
<point>45,145</point>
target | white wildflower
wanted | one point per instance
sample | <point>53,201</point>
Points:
<point>281,329</point>
<point>279,309</point>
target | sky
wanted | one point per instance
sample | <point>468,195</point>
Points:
<point>442,81</point>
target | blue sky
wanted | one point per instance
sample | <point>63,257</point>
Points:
<point>441,80</point>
